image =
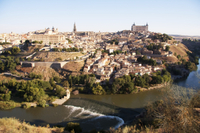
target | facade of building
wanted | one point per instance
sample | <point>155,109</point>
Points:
<point>138,28</point>
<point>48,36</point>
<point>48,39</point>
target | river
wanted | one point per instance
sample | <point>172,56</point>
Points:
<point>97,112</point>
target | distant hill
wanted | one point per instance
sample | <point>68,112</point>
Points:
<point>180,37</point>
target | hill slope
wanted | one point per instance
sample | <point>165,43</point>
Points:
<point>181,50</point>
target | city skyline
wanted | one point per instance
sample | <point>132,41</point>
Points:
<point>171,17</point>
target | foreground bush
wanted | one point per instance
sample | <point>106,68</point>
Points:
<point>71,126</point>
<point>177,113</point>
<point>12,125</point>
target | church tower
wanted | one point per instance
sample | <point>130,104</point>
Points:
<point>74,30</point>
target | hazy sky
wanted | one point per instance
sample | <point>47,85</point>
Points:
<point>165,16</point>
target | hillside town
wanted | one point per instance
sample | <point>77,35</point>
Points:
<point>112,55</point>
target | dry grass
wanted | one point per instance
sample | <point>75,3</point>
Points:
<point>181,49</point>
<point>12,125</point>
<point>46,72</point>
<point>168,59</point>
<point>175,113</point>
<point>53,56</point>
<point>74,66</point>
<point>31,49</point>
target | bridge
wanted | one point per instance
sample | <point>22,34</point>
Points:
<point>53,64</point>
<point>56,65</point>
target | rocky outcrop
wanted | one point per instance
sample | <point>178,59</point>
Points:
<point>76,92</point>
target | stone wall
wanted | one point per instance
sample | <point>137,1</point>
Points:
<point>55,65</point>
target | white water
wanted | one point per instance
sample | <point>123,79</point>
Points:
<point>92,115</point>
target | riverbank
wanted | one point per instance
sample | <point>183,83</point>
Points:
<point>6,105</point>
<point>62,100</point>
<point>157,86</point>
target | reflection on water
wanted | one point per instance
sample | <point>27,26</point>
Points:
<point>138,100</point>
<point>192,81</point>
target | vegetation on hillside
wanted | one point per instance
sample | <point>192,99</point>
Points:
<point>13,51</point>
<point>162,37</point>
<point>144,60</point>
<point>113,41</point>
<point>35,42</point>
<point>30,91</point>
<point>123,85</point>
<point>176,113</point>
<point>74,49</point>
<point>8,63</point>
<point>12,125</point>
<point>153,46</point>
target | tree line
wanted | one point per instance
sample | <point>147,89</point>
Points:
<point>162,37</point>
<point>8,63</point>
<point>127,84</point>
<point>123,85</point>
<point>31,91</point>
<point>13,51</point>
<point>74,49</point>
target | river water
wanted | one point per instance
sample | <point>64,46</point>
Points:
<point>97,112</point>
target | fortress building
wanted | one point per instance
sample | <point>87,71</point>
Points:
<point>48,36</point>
<point>139,28</point>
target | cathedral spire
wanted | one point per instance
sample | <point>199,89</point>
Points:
<point>74,27</point>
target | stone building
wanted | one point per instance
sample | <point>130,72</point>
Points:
<point>139,28</point>
<point>48,36</point>
<point>48,39</point>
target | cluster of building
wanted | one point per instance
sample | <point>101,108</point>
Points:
<point>128,40</point>
<point>106,66</point>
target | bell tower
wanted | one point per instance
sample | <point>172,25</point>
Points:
<point>74,30</point>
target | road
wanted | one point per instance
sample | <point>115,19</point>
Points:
<point>16,76</point>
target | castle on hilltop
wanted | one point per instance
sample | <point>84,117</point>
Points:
<point>139,28</point>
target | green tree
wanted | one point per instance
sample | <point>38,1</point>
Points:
<point>98,90</point>
<point>57,79</point>
<point>129,87</point>
<point>60,91</point>
<point>33,94</point>
<point>157,79</point>
<point>167,48</point>
<point>179,56</point>
<point>65,84</point>
<point>15,50</point>
<point>7,96</point>
<point>2,66</point>
<point>139,81</point>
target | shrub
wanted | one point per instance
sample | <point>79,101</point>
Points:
<point>26,105</point>
<point>8,104</point>
<point>98,90</point>
<point>42,103</point>
<point>57,79</point>
<point>60,91</point>
<point>73,126</point>
<point>65,83</point>
<point>55,105</point>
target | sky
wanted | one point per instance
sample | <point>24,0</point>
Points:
<point>181,17</point>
